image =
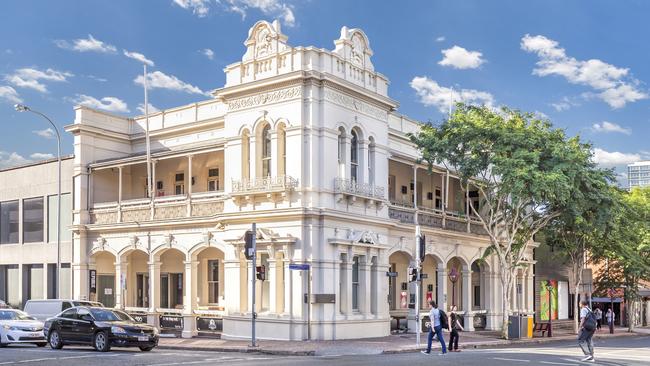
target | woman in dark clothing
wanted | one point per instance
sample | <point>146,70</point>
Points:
<point>454,322</point>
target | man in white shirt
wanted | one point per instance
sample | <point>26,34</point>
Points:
<point>435,327</point>
<point>585,337</point>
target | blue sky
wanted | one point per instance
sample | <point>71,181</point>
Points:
<point>584,64</point>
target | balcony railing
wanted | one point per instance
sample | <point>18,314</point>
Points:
<point>282,183</point>
<point>161,208</point>
<point>353,187</point>
<point>435,218</point>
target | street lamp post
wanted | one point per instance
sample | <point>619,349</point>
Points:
<point>24,108</point>
<point>611,308</point>
<point>549,290</point>
<point>453,277</point>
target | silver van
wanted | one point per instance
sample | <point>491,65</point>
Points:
<point>43,309</point>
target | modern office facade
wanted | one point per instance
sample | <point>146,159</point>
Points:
<point>306,143</point>
<point>28,236</point>
<point>638,174</point>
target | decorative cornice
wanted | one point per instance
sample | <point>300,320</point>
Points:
<point>355,104</point>
<point>264,98</point>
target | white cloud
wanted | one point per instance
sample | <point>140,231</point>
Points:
<point>432,94</point>
<point>109,104</point>
<point>207,53</point>
<point>41,156</point>
<point>160,80</point>
<point>89,44</point>
<point>606,127</point>
<point>47,133</point>
<point>613,158</point>
<point>152,109</point>
<point>138,57</point>
<point>441,39</point>
<point>31,78</point>
<point>612,84</point>
<point>12,159</point>
<point>272,8</point>
<point>199,7</point>
<point>460,58</point>
<point>9,94</point>
<point>564,104</point>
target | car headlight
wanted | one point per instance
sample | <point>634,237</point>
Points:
<point>118,330</point>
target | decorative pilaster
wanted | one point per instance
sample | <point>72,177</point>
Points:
<point>120,284</point>
<point>154,291</point>
<point>442,286</point>
<point>189,300</point>
<point>365,294</point>
<point>467,299</point>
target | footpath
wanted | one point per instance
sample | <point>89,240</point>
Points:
<point>397,343</point>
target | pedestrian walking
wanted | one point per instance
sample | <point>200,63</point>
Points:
<point>455,328</point>
<point>587,329</point>
<point>438,321</point>
<point>610,317</point>
<point>599,318</point>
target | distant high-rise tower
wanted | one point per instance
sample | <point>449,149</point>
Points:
<point>638,174</point>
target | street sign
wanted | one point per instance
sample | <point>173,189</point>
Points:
<point>391,274</point>
<point>299,266</point>
<point>424,275</point>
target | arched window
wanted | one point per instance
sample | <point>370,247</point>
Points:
<point>245,155</point>
<point>282,150</point>
<point>266,151</point>
<point>371,161</point>
<point>341,152</point>
<point>354,156</point>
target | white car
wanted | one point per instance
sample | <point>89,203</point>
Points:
<point>18,327</point>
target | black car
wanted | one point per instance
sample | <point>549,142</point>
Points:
<point>100,328</point>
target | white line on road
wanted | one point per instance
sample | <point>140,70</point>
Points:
<point>509,359</point>
<point>558,363</point>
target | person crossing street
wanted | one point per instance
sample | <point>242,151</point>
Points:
<point>455,327</point>
<point>587,328</point>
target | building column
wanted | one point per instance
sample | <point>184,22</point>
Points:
<point>119,194</point>
<point>530,291</point>
<point>467,299</point>
<point>189,185</point>
<point>189,298</point>
<point>442,286</point>
<point>154,291</point>
<point>288,287</point>
<point>365,291</point>
<point>120,284</point>
<point>154,187</point>
<point>274,153</point>
<point>273,285</point>
<point>231,285</point>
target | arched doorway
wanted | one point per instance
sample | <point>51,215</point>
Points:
<point>137,279</point>
<point>104,289</point>
<point>398,288</point>
<point>210,291</point>
<point>429,289</point>
<point>171,279</point>
<point>455,283</point>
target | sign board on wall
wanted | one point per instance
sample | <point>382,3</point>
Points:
<point>92,279</point>
<point>209,324</point>
<point>171,322</point>
<point>548,299</point>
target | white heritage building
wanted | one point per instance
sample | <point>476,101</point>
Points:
<point>306,143</point>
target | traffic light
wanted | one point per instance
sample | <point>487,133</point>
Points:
<point>260,273</point>
<point>422,242</point>
<point>413,274</point>
<point>248,248</point>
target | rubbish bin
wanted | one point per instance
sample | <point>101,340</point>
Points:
<point>526,326</point>
<point>514,327</point>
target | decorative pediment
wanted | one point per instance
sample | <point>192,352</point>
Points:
<point>363,237</point>
<point>354,47</point>
<point>264,39</point>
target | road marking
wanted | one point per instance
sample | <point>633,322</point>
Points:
<point>509,359</point>
<point>557,363</point>
<point>37,360</point>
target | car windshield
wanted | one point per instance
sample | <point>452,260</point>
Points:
<point>14,315</point>
<point>106,315</point>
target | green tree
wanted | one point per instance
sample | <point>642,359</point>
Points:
<point>583,225</point>
<point>627,260</point>
<point>525,170</point>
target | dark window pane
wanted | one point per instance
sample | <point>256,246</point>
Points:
<point>33,220</point>
<point>9,222</point>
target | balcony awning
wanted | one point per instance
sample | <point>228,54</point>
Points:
<point>159,154</point>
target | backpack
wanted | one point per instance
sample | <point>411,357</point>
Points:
<point>444,321</point>
<point>590,321</point>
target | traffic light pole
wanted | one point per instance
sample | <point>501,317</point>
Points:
<point>417,258</point>
<point>254,257</point>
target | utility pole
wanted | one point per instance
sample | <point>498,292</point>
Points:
<point>253,313</point>
<point>417,258</point>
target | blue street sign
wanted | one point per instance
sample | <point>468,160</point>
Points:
<point>299,267</point>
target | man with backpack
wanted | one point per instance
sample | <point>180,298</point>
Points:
<point>437,320</point>
<point>587,328</point>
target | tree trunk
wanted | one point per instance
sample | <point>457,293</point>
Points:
<point>576,311</point>
<point>577,278</point>
<point>506,277</point>
<point>631,318</point>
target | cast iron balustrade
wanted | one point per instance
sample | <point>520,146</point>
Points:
<point>282,183</point>
<point>352,187</point>
<point>404,212</point>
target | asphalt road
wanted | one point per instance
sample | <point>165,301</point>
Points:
<point>611,352</point>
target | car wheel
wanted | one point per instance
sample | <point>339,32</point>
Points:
<point>101,342</point>
<point>55,340</point>
<point>146,349</point>
<point>41,344</point>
